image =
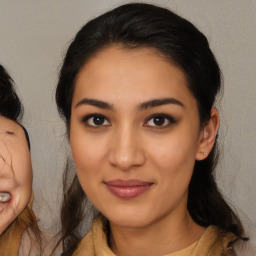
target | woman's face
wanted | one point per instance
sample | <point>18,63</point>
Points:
<point>135,135</point>
<point>15,172</point>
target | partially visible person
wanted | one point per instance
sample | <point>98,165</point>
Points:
<point>19,231</point>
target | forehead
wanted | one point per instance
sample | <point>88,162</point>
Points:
<point>8,125</point>
<point>136,73</point>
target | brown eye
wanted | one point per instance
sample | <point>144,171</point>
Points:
<point>159,121</point>
<point>96,120</point>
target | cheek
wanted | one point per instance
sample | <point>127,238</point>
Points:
<point>21,163</point>
<point>2,163</point>
<point>88,154</point>
<point>84,151</point>
<point>174,157</point>
<point>22,168</point>
<point>174,151</point>
<point>87,159</point>
<point>173,165</point>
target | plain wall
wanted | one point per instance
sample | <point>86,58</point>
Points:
<point>34,36</point>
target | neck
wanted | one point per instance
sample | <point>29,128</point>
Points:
<point>162,237</point>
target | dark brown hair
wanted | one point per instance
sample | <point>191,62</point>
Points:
<point>10,105</point>
<point>135,26</point>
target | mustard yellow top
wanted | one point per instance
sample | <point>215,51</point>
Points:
<point>213,242</point>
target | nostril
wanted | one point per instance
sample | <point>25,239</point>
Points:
<point>5,197</point>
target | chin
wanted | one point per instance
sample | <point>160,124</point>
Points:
<point>130,219</point>
<point>6,220</point>
<point>131,222</point>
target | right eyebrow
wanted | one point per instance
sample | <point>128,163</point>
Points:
<point>159,102</point>
<point>93,102</point>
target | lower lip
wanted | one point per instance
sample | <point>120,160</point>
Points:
<point>128,192</point>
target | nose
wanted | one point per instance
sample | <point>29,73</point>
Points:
<point>126,150</point>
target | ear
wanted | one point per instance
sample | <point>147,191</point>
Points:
<point>208,135</point>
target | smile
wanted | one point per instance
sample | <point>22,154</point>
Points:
<point>127,189</point>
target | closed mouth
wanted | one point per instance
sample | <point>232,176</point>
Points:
<point>128,189</point>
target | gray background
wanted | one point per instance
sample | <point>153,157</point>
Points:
<point>34,36</point>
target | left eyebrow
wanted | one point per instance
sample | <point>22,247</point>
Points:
<point>159,102</point>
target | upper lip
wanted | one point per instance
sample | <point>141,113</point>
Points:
<point>127,183</point>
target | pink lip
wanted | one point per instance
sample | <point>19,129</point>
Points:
<point>127,189</point>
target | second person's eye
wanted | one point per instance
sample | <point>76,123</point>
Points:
<point>96,120</point>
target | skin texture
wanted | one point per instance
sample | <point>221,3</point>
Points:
<point>15,171</point>
<point>157,145</point>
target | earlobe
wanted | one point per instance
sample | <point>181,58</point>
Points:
<point>208,135</point>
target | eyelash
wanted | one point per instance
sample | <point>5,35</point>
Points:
<point>170,120</point>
